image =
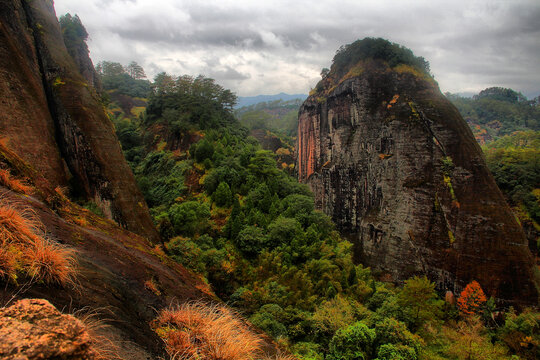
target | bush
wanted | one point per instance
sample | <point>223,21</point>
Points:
<point>251,240</point>
<point>352,342</point>
<point>396,352</point>
<point>190,217</point>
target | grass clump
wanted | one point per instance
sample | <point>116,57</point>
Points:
<point>197,330</point>
<point>25,251</point>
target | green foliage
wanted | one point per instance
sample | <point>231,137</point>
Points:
<point>376,48</point>
<point>396,352</point>
<point>514,161</point>
<point>268,319</point>
<point>74,34</point>
<point>122,80</point>
<point>353,342</point>
<point>251,240</point>
<point>190,217</point>
<point>419,302</point>
<point>197,102</point>
<point>223,196</point>
<point>392,331</point>
<point>278,116</point>
<point>496,112</point>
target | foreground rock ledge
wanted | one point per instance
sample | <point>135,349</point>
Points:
<point>35,329</point>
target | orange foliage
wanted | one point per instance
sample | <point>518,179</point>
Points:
<point>25,250</point>
<point>471,298</point>
<point>14,184</point>
<point>201,331</point>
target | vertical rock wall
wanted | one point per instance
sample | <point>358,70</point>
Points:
<point>399,171</point>
<point>63,121</point>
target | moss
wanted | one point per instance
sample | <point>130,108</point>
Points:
<point>58,81</point>
<point>448,182</point>
<point>451,237</point>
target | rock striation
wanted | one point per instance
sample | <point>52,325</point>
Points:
<point>391,160</point>
<point>52,117</point>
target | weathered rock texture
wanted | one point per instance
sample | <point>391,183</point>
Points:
<point>52,117</point>
<point>34,329</point>
<point>399,171</point>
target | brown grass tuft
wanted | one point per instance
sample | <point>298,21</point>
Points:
<point>200,331</point>
<point>12,183</point>
<point>24,249</point>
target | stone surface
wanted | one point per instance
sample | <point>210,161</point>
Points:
<point>34,329</point>
<point>391,160</point>
<point>52,116</point>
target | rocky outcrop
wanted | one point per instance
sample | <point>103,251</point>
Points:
<point>119,276</point>
<point>400,173</point>
<point>34,329</point>
<point>52,116</point>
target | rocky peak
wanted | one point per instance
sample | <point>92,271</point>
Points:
<point>392,161</point>
<point>51,116</point>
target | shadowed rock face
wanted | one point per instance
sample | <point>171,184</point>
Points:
<point>51,115</point>
<point>399,171</point>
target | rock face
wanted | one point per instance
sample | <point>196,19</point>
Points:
<point>51,116</point>
<point>34,329</point>
<point>399,171</point>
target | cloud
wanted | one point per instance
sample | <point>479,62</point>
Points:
<point>276,46</point>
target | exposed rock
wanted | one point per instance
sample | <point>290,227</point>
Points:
<point>52,116</point>
<point>394,164</point>
<point>113,268</point>
<point>34,329</point>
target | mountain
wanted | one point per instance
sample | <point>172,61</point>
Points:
<point>57,145</point>
<point>394,164</point>
<point>252,100</point>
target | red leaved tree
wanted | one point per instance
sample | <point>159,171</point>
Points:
<point>471,299</point>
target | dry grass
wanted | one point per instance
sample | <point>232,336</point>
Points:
<point>24,249</point>
<point>102,347</point>
<point>200,331</point>
<point>7,180</point>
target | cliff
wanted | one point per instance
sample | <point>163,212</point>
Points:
<point>51,116</point>
<point>391,160</point>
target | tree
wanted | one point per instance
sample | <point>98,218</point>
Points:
<point>223,195</point>
<point>135,71</point>
<point>419,301</point>
<point>353,342</point>
<point>471,299</point>
<point>110,68</point>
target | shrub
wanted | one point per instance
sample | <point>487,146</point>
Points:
<point>352,342</point>
<point>396,352</point>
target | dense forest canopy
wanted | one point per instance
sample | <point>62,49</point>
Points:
<point>226,210</point>
<point>377,48</point>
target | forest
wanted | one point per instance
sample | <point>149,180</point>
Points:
<point>226,210</point>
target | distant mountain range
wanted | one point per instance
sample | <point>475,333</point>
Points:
<point>251,100</point>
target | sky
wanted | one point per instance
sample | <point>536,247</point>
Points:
<point>266,47</point>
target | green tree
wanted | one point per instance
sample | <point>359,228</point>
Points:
<point>419,301</point>
<point>223,195</point>
<point>354,342</point>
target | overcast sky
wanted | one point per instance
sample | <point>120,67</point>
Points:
<point>266,47</point>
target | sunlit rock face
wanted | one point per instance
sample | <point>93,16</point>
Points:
<point>394,164</point>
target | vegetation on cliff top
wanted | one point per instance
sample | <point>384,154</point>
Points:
<point>351,59</point>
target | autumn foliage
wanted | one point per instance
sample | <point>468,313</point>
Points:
<point>471,299</point>
<point>200,331</point>
<point>24,249</point>
<point>7,180</point>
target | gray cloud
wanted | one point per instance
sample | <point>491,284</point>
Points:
<point>281,45</point>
